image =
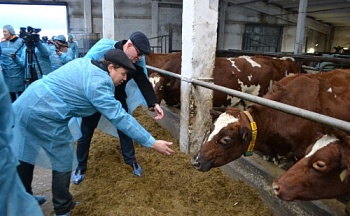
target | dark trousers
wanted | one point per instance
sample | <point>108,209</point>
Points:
<point>88,126</point>
<point>62,199</point>
<point>14,95</point>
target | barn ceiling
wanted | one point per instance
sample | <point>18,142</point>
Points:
<point>332,12</point>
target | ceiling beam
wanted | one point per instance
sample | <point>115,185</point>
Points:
<point>272,10</point>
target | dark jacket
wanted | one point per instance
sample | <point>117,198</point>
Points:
<point>141,80</point>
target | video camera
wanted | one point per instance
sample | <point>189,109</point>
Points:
<point>29,35</point>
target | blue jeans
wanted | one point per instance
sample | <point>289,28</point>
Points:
<point>88,126</point>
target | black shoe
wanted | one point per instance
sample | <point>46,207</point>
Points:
<point>41,199</point>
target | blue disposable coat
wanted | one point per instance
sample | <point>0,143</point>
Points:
<point>41,58</point>
<point>13,69</point>
<point>134,95</point>
<point>14,200</point>
<point>56,60</point>
<point>74,47</point>
<point>77,89</point>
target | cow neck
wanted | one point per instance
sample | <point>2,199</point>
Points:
<point>249,151</point>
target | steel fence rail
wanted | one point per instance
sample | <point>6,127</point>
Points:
<point>306,114</point>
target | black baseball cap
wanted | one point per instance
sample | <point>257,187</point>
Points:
<point>141,42</point>
<point>118,57</point>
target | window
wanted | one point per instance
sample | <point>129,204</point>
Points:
<point>50,18</point>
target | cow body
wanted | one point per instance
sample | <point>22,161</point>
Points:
<point>253,75</point>
<point>323,173</point>
<point>278,133</point>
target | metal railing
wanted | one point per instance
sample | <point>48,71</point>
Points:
<point>312,116</point>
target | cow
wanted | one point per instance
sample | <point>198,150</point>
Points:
<point>253,75</point>
<point>324,172</point>
<point>273,132</point>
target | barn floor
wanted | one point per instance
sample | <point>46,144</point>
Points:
<point>169,186</point>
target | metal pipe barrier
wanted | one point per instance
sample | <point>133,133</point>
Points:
<point>315,117</point>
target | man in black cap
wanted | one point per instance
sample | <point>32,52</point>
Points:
<point>135,48</point>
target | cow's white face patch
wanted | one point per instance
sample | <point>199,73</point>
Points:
<point>154,80</point>
<point>249,59</point>
<point>329,90</point>
<point>221,122</point>
<point>323,142</point>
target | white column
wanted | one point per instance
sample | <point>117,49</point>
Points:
<point>87,16</point>
<point>199,35</point>
<point>299,38</point>
<point>108,19</point>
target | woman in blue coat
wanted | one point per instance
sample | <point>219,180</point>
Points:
<point>77,89</point>
<point>12,61</point>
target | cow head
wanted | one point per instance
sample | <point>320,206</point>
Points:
<point>228,139</point>
<point>322,174</point>
<point>158,83</point>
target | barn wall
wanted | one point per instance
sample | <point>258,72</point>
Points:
<point>341,37</point>
<point>132,15</point>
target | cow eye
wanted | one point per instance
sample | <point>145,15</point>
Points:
<point>319,165</point>
<point>225,140</point>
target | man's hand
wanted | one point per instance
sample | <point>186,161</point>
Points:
<point>162,147</point>
<point>159,112</point>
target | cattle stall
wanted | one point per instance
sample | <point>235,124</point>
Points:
<point>265,170</point>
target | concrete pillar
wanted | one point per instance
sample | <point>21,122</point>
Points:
<point>222,17</point>
<point>299,38</point>
<point>87,16</point>
<point>155,22</point>
<point>108,19</point>
<point>199,36</point>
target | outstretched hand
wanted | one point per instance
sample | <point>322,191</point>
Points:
<point>163,147</point>
<point>159,112</point>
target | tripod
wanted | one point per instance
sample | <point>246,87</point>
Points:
<point>30,70</point>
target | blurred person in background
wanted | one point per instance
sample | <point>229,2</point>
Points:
<point>60,53</point>
<point>12,62</point>
<point>73,45</point>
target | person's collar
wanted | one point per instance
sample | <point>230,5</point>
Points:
<point>119,44</point>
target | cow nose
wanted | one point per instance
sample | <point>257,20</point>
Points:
<point>195,163</point>
<point>276,188</point>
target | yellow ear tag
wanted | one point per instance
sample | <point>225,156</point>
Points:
<point>168,84</point>
<point>342,175</point>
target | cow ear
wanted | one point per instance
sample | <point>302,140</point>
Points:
<point>246,134</point>
<point>215,114</point>
<point>345,162</point>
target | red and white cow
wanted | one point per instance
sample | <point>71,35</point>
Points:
<point>276,132</point>
<point>253,75</point>
<point>324,172</point>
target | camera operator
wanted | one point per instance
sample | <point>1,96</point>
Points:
<point>11,61</point>
<point>41,60</point>
<point>60,54</point>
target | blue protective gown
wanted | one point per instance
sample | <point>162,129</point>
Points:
<point>14,200</point>
<point>134,95</point>
<point>56,60</point>
<point>13,69</point>
<point>76,89</point>
<point>42,53</point>
<point>74,47</point>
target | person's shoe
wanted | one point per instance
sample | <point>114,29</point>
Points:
<point>67,214</point>
<point>77,177</point>
<point>41,199</point>
<point>137,170</point>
